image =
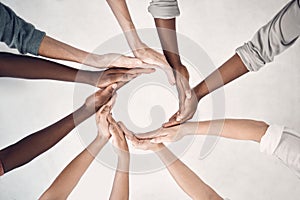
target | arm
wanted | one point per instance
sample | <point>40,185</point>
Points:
<point>70,176</point>
<point>270,40</point>
<point>120,188</point>
<point>19,34</point>
<point>166,29</point>
<point>140,50</point>
<point>184,177</point>
<point>240,129</point>
<point>30,147</point>
<point>19,66</point>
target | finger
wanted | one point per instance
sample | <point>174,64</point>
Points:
<point>181,94</point>
<point>186,88</point>
<point>107,92</point>
<point>141,70</point>
<point>147,135</point>
<point>126,131</point>
<point>170,124</point>
<point>114,132</point>
<point>129,62</point>
<point>169,72</point>
<point>159,140</point>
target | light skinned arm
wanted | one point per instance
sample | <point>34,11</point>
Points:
<point>239,129</point>
<point>55,49</point>
<point>35,144</point>
<point>186,179</point>
<point>229,71</point>
<point>120,188</point>
<point>139,49</point>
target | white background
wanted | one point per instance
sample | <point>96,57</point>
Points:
<point>235,169</point>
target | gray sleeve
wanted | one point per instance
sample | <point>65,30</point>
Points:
<point>17,33</point>
<point>164,9</point>
<point>273,38</point>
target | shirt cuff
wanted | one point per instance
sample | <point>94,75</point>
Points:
<point>270,141</point>
<point>250,57</point>
<point>164,9</point>
<point>35,42</point>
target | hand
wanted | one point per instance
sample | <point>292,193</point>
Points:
<point>94,102</point>
<point>171,134</point>
<point>110,76</point>
<point>111,60</point>
<point>150,56</point>
<point>143,144</point>
<point>102,119</point>
<point>119,141</point>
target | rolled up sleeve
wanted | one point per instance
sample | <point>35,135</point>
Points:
<point>164,9</point>
<point>283,143</point>
<point>17,33</point>
<point>273,38</point>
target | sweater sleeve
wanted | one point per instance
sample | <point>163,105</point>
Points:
<point>164,9</point>
<point>273,38</point>
<point>17,33</point>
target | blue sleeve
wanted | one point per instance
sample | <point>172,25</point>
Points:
<point>17,33</point>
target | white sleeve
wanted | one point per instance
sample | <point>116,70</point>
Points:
<point>273,38</point>
<point>164,9</point>
<point>284,144</point>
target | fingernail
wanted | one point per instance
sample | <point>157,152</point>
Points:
<point>188,94</point>
<point>152,141</point>
<point>114,86</point>
<point>178,119</point>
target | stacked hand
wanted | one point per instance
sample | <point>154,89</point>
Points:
<point>119,76</point>
<point>111,60</point>
<point>152,57</point>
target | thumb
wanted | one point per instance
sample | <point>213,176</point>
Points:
<point>158,140</point>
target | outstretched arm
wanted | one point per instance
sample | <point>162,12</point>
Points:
<point>19,66</point>
<point>139,49</point>
<point>37,143</point>
<point>240,129</point>
<point>52,48</point>
<point>70,176</point>
<point>184,177</point>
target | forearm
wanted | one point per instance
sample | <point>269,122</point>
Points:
<point>37,143</point>
<point>52,48</point>
<point>229,71</point>
<point>72,173</point>
<point>185,177</point>
<point>120,188</point>
<point>240,129</point>
<point>121,12</point>
<point>166,29</point>
<point>18,66</point>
